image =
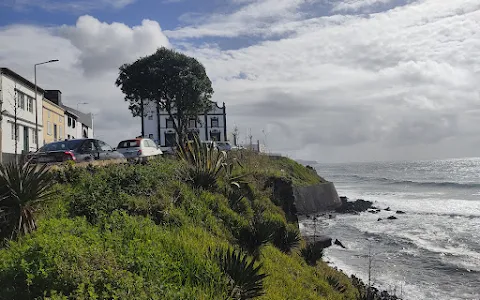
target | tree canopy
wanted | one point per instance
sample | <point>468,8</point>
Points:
<point>174,81</point>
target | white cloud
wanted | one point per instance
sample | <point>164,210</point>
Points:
<point>105,47</point>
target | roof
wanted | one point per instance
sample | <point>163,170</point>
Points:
<point>83,118</point>
<point>52,103</point>
<point>19,78</point>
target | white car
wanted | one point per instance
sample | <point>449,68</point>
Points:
<point>139,149</point>
<point>224,146</point>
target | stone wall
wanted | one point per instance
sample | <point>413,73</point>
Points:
<point>316,198</point>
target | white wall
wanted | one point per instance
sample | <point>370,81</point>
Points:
<point>25,118</point>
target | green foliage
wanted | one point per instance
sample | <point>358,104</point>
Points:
<point>124,258</point>
<point>141,232</point>
<point>312,253</point>
<point>287,238</point>
<point>335,283</point>
<point>205,165</point>
<point>245,281</point>
<point>23,188</point>
<point>175,82</point>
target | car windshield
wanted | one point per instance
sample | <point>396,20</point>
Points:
<point>129,144</point>
<point>61,146</point>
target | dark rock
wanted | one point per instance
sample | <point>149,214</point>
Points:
<point>379,219</point>
<point>392,218</point>
<point>372,211</point>
<point>330,216</point>
<point>321,241</point>
<point>308,216</point>
<point>337,242</point>
<point>400,212</point>
<point>354,207</point>
<point>374,207</point>
<point>388,208</point>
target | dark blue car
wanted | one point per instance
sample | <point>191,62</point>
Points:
<point>78,150</point>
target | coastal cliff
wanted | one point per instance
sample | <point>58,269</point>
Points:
<point>145,232</point>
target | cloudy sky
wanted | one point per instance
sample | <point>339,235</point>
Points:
<point>325,80</point>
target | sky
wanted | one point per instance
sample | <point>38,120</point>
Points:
<point>324,80</point>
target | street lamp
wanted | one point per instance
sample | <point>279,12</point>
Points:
<point>36,97</point>
<point>81,103</point>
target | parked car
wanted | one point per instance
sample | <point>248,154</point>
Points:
<point>224,146</point>
<point>78,150</point>
<point>139,149</point>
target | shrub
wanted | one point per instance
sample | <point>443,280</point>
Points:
<point>245,281</point>
<point>205,165</point>
<point>312,253</point>
<point>23,187</point>
<point>287,238</point>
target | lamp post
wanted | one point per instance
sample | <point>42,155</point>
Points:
<point>36,97</point>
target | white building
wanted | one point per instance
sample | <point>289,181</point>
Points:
<point>210,126</point>
<point>77,124</point>
<point>18,92</point>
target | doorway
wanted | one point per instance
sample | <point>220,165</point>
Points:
<point>26,139</point>
<point>55,136</point>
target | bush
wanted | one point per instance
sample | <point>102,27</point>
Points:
<point>287,238</point>
<point>312,253</point>
<point>245,281</point>
<point>124,258</point>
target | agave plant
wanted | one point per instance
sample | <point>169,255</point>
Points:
<point>205,165</point>
<point>244,278</point>
<point>287,238</point>
<point>22,188</point>
<point>312,253</point>
<point>335,284</point>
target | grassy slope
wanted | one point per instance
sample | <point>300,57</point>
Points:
<point>139,232</point>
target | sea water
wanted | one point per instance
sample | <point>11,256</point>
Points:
<point>432,251</point>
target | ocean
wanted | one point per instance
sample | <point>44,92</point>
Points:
<point>432,251</point>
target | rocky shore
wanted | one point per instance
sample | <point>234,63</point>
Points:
<point>355,207</point>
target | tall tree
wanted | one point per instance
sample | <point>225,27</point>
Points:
<point>175,82</point>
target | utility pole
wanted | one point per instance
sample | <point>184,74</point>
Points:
<point>15,126</point>
<point>250,136</point>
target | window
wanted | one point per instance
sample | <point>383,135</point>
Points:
<point>68,136</point>
<point>150,117</point>
<point>170,139</point>
<point>85,133</point>
<point>69,122</point>
<point>60,119</point>
<point>88,147</point>
<point>129,144</point>
<point>21,100</point>
<point>74,123</point>
<point>169,123</point>
<point>150,136</point>
<point>30,104</point>
<point>215,136</point>
<point>192,123</point>
<point>49,128</point>
<point>13,131</point>
<point>103,146</point>
<point>34,135</point>
<point>214,122</point>
<point>48,113</point>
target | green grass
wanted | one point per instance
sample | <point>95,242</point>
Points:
<point>123,231</point>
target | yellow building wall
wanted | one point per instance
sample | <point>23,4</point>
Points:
<point>53,122</point>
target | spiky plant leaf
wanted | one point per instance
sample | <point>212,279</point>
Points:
<point>205,165</point>
<point>244,278</point>
<point>22,188</point>
<point>287,238</point>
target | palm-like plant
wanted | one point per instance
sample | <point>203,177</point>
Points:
<point>22,188</point>
<point>244,279</point>
<point>204,164</point>
<point>287,238</point>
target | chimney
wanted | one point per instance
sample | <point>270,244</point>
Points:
<point>54,95</point>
